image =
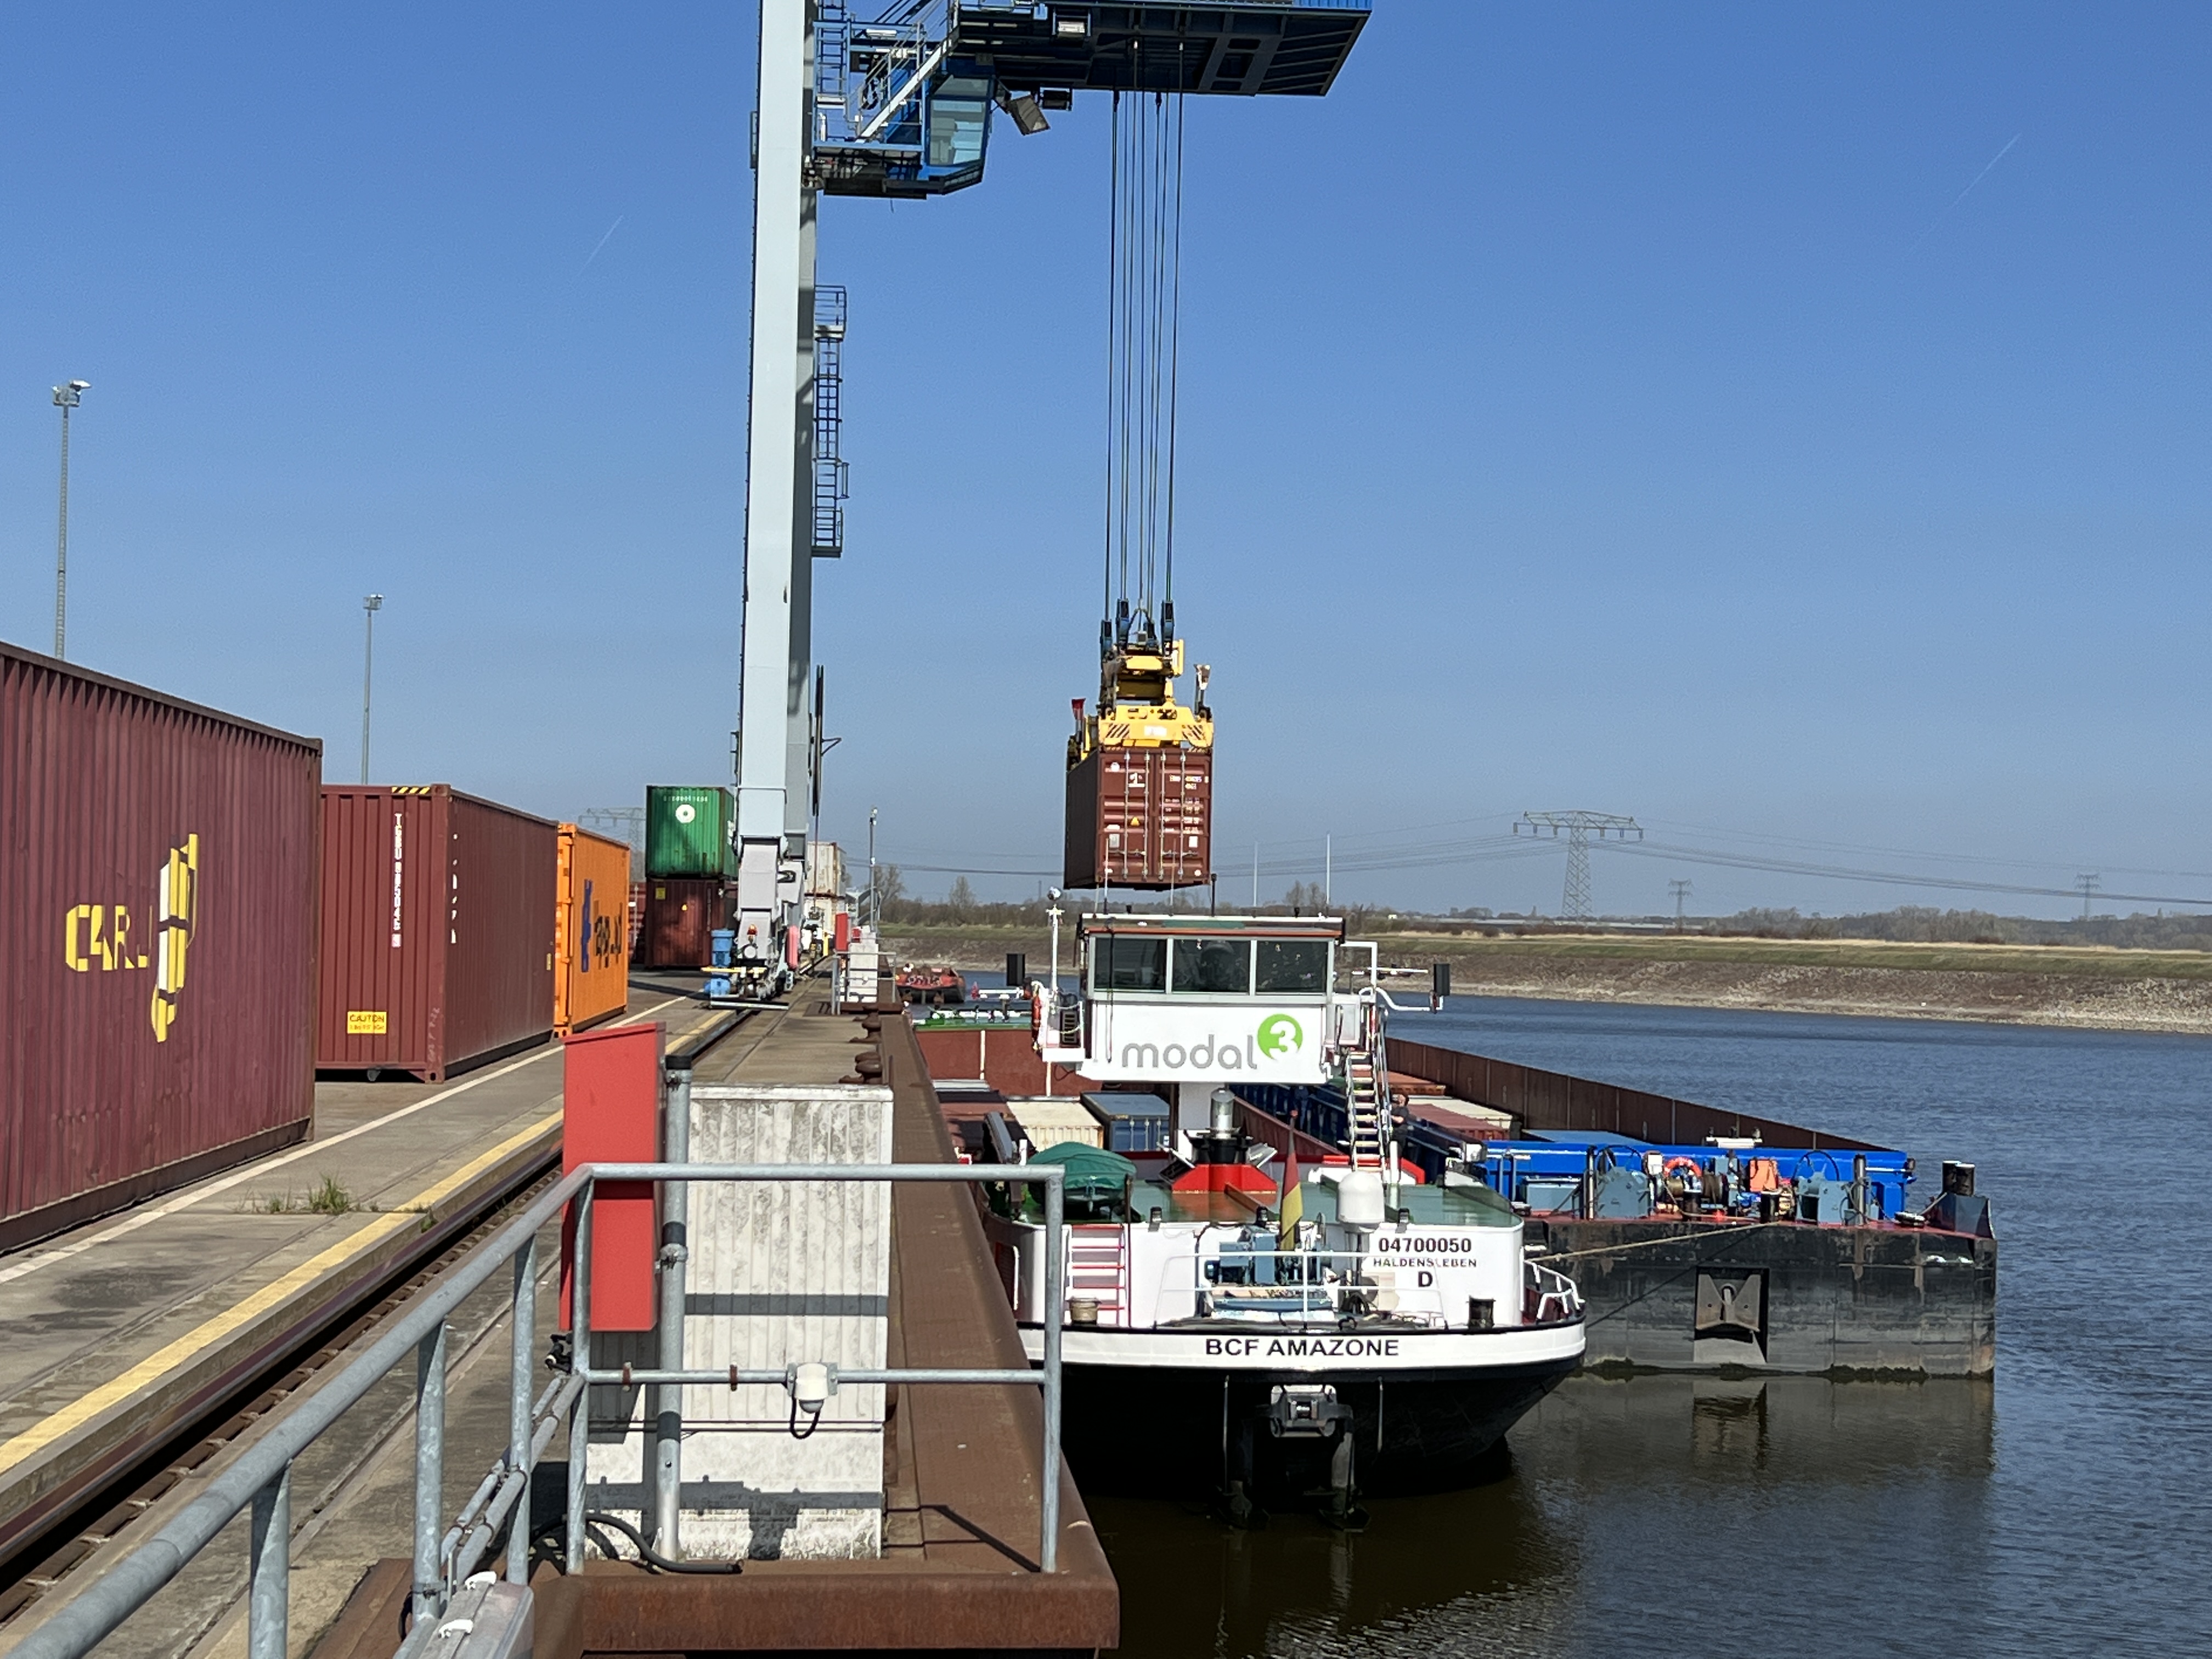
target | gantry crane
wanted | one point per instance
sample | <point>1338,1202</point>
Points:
<point>900,105</point>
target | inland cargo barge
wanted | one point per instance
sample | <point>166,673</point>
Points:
<point>1268,1326</point>
<point>1699,1239</point>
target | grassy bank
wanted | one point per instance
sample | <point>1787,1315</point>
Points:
<point>2029,984</point>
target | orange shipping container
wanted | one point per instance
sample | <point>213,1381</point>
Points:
<point>591,930</point>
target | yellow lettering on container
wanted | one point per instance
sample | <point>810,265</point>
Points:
<point>365,1022</point>
<point>73,925</point>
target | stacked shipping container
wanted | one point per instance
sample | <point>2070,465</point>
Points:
<point>679,915</point>
<point>438,921</point>
<point>690,859</point>
<point>157,942</point>
<point>688,832</point>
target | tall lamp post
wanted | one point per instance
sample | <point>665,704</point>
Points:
<point>66,398</point>
<point>369,606</point>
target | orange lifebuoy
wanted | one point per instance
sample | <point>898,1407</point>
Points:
<point>1689,1164</point>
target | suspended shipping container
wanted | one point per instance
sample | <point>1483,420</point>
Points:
<point>687,832</point>
<point>438,925</point>
<point>1141,817</point>
<point>591,930</point>
<point>157,942</point>
<point>679,915</point>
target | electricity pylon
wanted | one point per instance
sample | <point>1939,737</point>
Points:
<point>1578,826</point>
<point>1680,888</point>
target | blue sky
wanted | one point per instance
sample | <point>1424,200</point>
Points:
<point>1667,411</point>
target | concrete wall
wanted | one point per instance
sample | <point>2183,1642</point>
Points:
<point>779,1274</point>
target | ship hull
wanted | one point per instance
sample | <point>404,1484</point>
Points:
<point>1135,1424</point>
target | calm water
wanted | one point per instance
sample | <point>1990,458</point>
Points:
<point>2067,1508</point>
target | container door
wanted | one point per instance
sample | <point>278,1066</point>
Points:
<point>383,944</point>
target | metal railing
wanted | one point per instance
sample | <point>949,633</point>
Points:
<point>1322,1286</point>
<point>445,1557</point>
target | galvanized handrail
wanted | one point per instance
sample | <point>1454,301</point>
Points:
<point>261,1478</point>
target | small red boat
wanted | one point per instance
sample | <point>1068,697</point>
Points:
<point>932,987</point>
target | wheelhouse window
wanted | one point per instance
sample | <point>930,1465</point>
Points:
<point>1120,963</point>
<point>1212,967</point>
<point>1292,964</point>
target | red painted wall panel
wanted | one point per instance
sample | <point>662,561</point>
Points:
<point>157,942</point>
<point>611,1114</point>
<point>438,922</point>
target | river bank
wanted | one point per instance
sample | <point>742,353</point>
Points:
<point>2030,985</point>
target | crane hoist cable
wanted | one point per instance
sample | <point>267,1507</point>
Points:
<point>1143,361</point>
<point>1140,655</point>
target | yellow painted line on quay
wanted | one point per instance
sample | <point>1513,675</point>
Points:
<point>189,1346</point>
<point>262,1167</point>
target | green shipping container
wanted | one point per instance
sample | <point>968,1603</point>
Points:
<point>687,832</point>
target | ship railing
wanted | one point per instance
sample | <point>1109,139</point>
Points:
<point>1548,1296</point>
<point>1292,1285</point>
<point>447,1556</point>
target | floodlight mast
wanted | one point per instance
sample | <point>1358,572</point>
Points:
<point>901,106</point>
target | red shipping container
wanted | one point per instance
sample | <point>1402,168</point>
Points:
<point>1141,817</point>
<point>681,913</point>
<point>438,922</point>
<point>157,942</point>
<point>611,1114</point>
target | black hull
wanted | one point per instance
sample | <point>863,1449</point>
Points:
<point>1150,1431</point>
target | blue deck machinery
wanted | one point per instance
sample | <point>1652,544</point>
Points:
<point>901,104</point>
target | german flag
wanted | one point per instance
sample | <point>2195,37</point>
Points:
<point>1293,1203</point>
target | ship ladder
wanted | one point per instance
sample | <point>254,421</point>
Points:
<point>1364,1092</point>
<point>1099,1269</point>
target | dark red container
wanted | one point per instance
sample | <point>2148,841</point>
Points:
<point>438,923</point>
<point>1141,817</point>
<point>680,913</point>
<point>157,942</point>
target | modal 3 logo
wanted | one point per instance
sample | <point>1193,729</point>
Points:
<point>1276,1036</point>
<point>98,935</point>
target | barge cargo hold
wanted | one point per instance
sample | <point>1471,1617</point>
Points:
<point>438,925</point>
<point>157,942</point>
<point>1654,1206</point>
<point>1900,1280</point>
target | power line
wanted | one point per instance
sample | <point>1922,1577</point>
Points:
<point>2089,885</point>
<point>1579,827</point>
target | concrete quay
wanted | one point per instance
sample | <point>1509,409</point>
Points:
<point>128,1329</point>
